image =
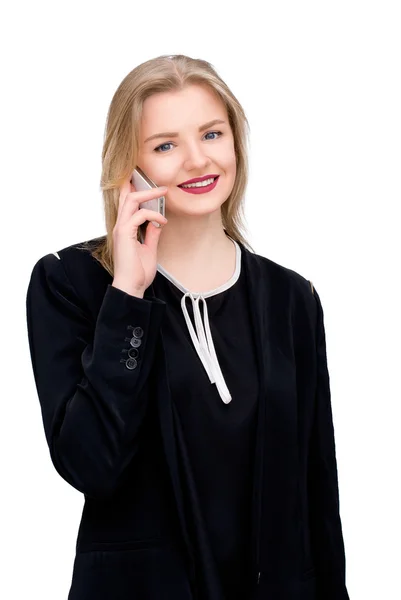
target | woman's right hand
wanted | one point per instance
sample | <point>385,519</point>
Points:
<point>135,264</point>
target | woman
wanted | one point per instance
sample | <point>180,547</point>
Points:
<point>207,457</point>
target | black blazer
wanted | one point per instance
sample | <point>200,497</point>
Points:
<point>110,428</point>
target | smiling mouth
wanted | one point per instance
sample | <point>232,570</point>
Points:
<point>194,185</point>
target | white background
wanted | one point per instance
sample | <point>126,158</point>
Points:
<point>320,84</point>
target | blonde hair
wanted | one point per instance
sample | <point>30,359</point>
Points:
<point>121,139</point>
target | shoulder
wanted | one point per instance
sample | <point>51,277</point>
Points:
<point>74,260</point>
<point>296,295</point>
<point>291,293</point>
<point>78,256</point>
<point>285,279</point>
<point>72,270</point>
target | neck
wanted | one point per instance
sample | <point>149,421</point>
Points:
<point>191,244</point>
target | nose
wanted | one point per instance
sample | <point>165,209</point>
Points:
<point>195,157</point>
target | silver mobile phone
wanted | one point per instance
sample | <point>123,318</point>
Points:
<point>141,182</point>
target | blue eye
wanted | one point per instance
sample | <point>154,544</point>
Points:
<point>157,149</point>
<point>219,132</point>
<point>161,146</point>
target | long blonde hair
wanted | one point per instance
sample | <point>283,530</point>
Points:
<point>121,139</point>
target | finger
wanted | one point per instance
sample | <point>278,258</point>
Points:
<point>133,202</point>
<point>152,236</point>
<point>146,214</point>
<point>151,193</point>
<point>126,186</point>
<point>125,189</point>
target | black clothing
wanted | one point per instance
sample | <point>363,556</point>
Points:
<point>103,367</point>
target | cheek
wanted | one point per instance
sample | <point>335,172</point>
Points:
<point>164,173</point>
<point>227,156</point>
<point>229,164</point>
<point>160,171</point>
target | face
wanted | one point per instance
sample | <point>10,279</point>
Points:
<point>172,160</point>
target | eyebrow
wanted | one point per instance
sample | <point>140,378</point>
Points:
<point>175,133</point>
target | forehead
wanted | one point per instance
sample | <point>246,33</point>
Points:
<point>174,110</point>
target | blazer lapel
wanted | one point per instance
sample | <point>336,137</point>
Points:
<point>165,410</point>
<point>276,531</point>
<point>258,302</point>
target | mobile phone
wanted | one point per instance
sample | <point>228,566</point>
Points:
<point>141,182</point>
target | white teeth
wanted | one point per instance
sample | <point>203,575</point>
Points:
<point>199,183</point>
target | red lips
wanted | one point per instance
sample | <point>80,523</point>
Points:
<point>196,179</point>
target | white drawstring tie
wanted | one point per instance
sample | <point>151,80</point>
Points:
<point>203,342</point>
<point>202,338</point>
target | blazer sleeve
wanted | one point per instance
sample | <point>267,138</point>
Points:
<point>92,405</point>
<point>324,509</point>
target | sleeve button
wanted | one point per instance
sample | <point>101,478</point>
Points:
<point>135,342</point>
<point>131,363</point>
<point>137,332</point>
